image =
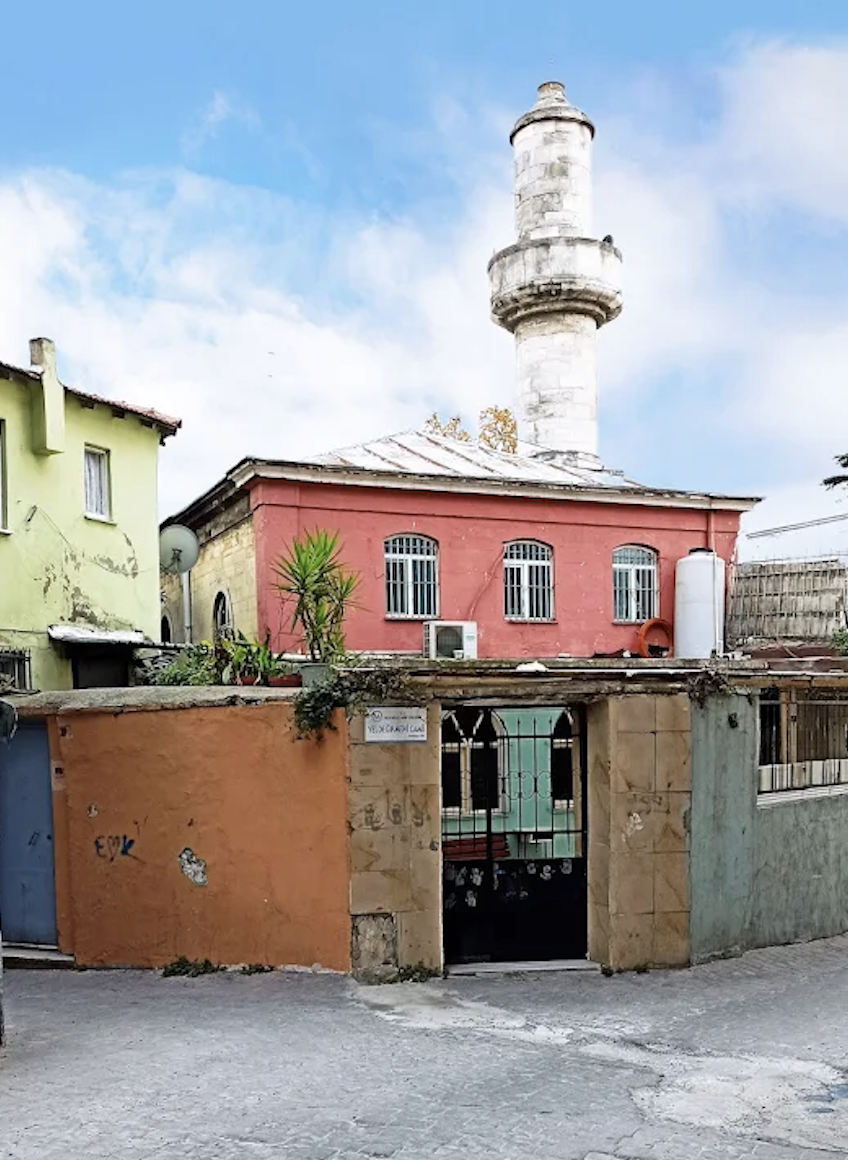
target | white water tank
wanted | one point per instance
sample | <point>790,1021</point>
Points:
<point>699,585</point>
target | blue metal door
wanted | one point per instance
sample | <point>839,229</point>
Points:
<point>27,890</point>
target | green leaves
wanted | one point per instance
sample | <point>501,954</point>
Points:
<point>837,480</point>
<point>312,576</point>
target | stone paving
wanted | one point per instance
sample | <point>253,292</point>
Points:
<point>746,1058</point>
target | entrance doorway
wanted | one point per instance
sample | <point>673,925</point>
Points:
<point>27,888</point>
<point>514,834</point>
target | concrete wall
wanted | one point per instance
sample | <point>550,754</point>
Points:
<point>639,798</point>
<point>765,872</point>
<point>724,793</point>
<point>395,851</point>
<point>471,532</point>
<point>59,565</point>
<point>800,870</point>
<point>203,832</point>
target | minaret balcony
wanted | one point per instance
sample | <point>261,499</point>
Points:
<point>553,276</point>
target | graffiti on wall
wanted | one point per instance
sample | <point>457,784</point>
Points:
<point>112,846</point>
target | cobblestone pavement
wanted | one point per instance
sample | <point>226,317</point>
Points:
<point>746,1058</point>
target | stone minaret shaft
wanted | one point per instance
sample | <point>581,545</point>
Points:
<point>556,285</point>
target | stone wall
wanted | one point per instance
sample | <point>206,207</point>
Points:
<point>639,798</point>
<point>227,564</point>
<point>395,852</point>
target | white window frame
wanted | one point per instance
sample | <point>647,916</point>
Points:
<point>411,594</point>
<point>464,747</point>
<point>641,599</point>
<point>528,574</point>
<point>102,456</point>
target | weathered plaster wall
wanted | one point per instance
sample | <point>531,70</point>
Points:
<point>395,851</point>
<point>59,565</point>
<point>762,874</point>
<point>201,832</point>
<point>800,870</point>
<point>639,797</point>
<point>471,531</point>
<point>724,760</point>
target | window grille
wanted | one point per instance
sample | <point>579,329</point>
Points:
<point>528,581</point>
<point>222,615</point>
<point>803,740</point>
<point>15,669</point>
<point>472,781</point>
<point>412,587</point>
<point>634,584</point>
<point>97,497</point>
<point>562,760</point>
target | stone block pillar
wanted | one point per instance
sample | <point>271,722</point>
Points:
<point>395,853</point>
<point>639,798</point>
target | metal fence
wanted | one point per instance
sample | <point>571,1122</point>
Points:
<point>803,740</point>
<point>800,600</point>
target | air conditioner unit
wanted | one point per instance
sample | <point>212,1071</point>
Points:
<point>454,640</point>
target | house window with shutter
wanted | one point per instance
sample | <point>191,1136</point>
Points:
<point>98,499</point>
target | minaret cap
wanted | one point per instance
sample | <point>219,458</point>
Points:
<point>551,105</point>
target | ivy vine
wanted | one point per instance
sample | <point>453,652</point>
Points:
<point>352,690</point>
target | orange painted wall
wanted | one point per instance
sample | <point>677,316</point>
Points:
<point>266,813</point>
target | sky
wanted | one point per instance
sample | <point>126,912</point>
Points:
<point>273,221</point>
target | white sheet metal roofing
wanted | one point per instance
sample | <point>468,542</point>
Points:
<point>419,453</point>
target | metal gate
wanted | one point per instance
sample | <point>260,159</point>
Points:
<point>514,833</point>
<point>27,890</point>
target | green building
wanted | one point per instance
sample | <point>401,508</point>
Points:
<point>79,562</point>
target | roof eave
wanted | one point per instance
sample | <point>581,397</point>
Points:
<point>166,425</point>
<point>248,469</point>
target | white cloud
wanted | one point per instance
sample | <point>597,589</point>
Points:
<point>206,126</point>
<point>277,328</point>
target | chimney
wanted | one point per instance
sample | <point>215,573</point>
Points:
<point>48,400</point>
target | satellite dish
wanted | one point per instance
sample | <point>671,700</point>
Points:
<point>178,549</point>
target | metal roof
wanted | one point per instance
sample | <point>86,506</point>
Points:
<point>420,453</point>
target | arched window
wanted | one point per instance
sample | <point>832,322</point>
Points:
<point>528,581</point>
<point>222,615</point>
<point>634,584</point>
<point>471,761</point>
<point>412,577</point>
<point>165,633</point>
<point>562,760</point>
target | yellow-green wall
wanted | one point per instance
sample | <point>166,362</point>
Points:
<point>56,564</point>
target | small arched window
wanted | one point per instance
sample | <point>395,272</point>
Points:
<point>471,758</point>
<point>634,584</point>
<point>166,635</point>
<point>562,760</point>
<point>528,581</point>
<point>222,615</point>
<point>412,576</point>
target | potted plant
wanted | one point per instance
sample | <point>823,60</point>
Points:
<point>312,577</point>
<point>241,664</point>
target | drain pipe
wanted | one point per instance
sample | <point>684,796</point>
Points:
<point>186,607</point>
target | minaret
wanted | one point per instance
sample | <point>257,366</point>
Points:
<point>556,284</point>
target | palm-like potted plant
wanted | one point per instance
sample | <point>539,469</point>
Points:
<point>313,579</point>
